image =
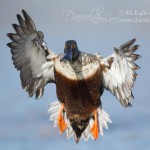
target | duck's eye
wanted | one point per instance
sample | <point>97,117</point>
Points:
<point>74,45</point>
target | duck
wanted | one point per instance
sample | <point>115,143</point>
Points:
<point>80,78</point>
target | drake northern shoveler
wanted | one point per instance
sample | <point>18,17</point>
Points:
<point>80,78</point>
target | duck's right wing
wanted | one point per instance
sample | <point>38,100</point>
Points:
<point>29,54</point>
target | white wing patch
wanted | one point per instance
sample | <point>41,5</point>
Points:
<point>119,74</point>
<point>103,119</point>
<point>48,71</point>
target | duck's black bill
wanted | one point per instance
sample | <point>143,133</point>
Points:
<point>67,56</point>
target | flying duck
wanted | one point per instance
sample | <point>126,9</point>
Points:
<point>80,78</point>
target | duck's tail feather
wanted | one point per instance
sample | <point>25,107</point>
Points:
<point>103,119</point>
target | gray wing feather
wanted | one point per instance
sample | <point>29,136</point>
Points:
<point>29,54</point>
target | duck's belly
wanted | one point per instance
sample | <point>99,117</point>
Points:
<point>78,88</point>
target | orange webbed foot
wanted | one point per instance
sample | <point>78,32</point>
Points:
<point>95,127</point>
<point>61,122</point>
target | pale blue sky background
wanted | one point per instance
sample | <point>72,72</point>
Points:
<point>24,122</point>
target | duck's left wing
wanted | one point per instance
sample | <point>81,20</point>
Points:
<point>119,72</point>
<point>31,56</point>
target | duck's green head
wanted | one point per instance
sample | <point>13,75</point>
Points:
<point>71,52</point>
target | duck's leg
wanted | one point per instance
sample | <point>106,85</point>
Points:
<point>61,122</point>
<point>95,127</point>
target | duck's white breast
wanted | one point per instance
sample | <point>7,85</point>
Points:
<point>83,68</point>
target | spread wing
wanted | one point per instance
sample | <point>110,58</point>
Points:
<point>29,54</point>
<point>119,72</point>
